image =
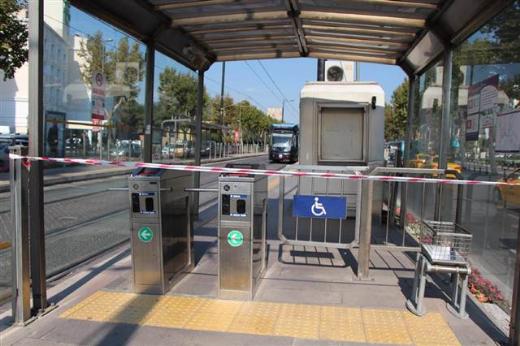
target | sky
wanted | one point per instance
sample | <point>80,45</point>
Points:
<point>249,80</point>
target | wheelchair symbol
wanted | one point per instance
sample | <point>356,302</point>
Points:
<point>317,208</point>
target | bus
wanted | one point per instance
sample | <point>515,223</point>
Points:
<point>284,143</point>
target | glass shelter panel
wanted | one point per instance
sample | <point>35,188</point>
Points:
<point>485,142</point>
<point>94,109</point>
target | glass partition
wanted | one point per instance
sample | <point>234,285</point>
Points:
<point>485,141</point>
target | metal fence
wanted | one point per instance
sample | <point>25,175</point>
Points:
<point>336,233</point>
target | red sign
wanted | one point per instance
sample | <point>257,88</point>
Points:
<point>96,122</point>
<point>236,136</point>
<point>98,96</point>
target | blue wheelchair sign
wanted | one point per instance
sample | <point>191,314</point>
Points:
<point>324,207</point>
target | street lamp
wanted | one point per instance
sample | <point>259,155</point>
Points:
<point>283,107</point>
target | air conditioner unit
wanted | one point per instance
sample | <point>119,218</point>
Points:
<point>339,71</point>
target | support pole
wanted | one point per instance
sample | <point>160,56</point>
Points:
<point>21,301</point>
<point>412,85</point>
<point>445,125</point>
<point>148,101</point>
<point>35,127</point>
<point>198,139</point>
<point>321,70</point>
<point>514,329</point>
<point>222,93</point>
<point>365,235</point>
<point>446,108</point>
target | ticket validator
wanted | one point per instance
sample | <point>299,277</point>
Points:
<point>161,227</point>
<point>241,233</point>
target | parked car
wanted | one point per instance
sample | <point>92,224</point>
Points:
<point>184,149</point>
<point>419,161</point>
<point>510,194</point>
<point>428,161</point>
<point>452,166</point>
<point>168,151</point>
<point>127,148</point>
<point>5,142</point>
<point>207,148</point>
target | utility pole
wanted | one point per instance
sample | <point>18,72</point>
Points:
<point>283,108</point>
<point>222,93</point>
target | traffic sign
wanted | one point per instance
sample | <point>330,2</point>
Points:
<point>235,238</point>
<point>98,96</point>
<point>323,207</point>
<point>145,234</point>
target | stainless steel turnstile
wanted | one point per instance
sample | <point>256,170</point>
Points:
<point>241,233</point>
<point>161,228</point>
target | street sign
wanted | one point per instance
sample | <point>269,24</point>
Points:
<point>145,234</point>
<point>95,125</point>
<point>323,207</point>
<point>98,96</point>
<point>235,238</point>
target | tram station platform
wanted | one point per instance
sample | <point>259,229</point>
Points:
<point>308,296</point>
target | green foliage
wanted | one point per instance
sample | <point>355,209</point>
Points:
<point>243,116</point>
<point>123,68</point>
<point>177,95</point>
<point>13,37</point>
<point>396,114</point>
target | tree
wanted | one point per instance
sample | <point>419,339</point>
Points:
<point>123,69</point>
<point>396,114</point>
<point>177,95</point>
<point>13,37</point>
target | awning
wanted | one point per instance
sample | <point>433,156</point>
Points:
<point>408,33</point>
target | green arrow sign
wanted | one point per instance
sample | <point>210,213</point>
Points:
<point>235,238</point>
<point>145,234</point>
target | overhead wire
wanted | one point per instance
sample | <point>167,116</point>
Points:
<point>261,80</point>
<point>276,86</point>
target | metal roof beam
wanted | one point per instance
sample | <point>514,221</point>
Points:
<point>234,30</point>
<point>357,51</point>
<point>331,34</point>
<point>194,3</point>
<point>230,18</point>
<point>360,31</point>
<point>430,5</point>
<point>245,34</point>
<point>258,56</point>
<point>268,47</point>
<point>294,13</point>
<point>390,44</point>
<point>364,18</point>
<point>287,49</point>
<point>254,43</point>
<point>368,26</point>
<point>376,12</point>
<point>351,57</point>
<point>324,43</point>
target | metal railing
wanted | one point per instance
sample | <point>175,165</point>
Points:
<point>334,233</point>
<point>400,206</point>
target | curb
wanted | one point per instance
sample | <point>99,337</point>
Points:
<point>75,177</point>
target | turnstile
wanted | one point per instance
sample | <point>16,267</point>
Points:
<point>161,228</point>
<point>241,233</point>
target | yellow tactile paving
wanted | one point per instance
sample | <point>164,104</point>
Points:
<point>341,324</point>
<point>303,321</point>
<point>429,330</point>
<point>299,319</point>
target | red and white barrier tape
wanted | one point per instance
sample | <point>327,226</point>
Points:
<point>265,172</point>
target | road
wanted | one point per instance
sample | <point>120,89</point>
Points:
<point>86,218</point>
